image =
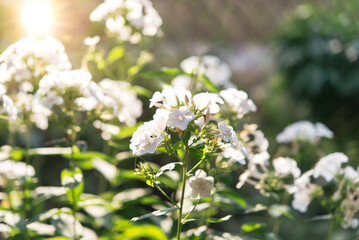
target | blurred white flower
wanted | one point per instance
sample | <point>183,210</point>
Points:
<point>208,101</point>
<point>14,170</point>
<point>32,57</point>
<point>9,107</point>
<point>238,101</point>
<point>214,68</point>
<point>107,129</point>
<point>276,210</point>
<point>200,185</point>
<point>305,131</point>
<point>329,165</point>
<point>233,154</point>
<point>128,19</point>
<point>228,134</point>
<point>180,117</point>
<point>284,166</point>
<point>182,81</point>
<point>350,173</point>
<point>302,191</point>
<point>127,106</point>
<point>91,41</point>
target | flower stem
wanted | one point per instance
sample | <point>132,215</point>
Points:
<point>184,180</point>
<point>27,161</point>
<point>74,204</point>
<point>332,223</point>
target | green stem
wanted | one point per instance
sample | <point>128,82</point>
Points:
<point>184,180</point>
<point>74,204</point>
<point>27,161</point>
<point>164,193</point>
<point>332,223</point>
<point>199,163</point>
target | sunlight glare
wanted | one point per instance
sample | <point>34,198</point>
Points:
<point>37,17</point>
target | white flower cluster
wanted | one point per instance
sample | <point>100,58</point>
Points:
<point>128,19</point>
<point>128,107</point>
<point>32,57</point>
<point>211,66</point>
<point>305,131</point>
<point>238,101</point>
<point>14,170</point>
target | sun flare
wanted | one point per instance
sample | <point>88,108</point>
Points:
<point>37,17</point>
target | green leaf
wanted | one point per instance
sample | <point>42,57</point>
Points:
<point>257,208</point>
<point>209,85</point>
<point>72,180</point>
<point>115,54</point>
<point>141,91</point>
<point>108,170</point>
<point>250,227</point>
<point>210,220</point>
<point>154,214</point>
<point>163,72</point>
<point>197,152</point>
<point>50,151</point>
<point>233,197</point>
<point>142,232</point>
<point>185,137</point>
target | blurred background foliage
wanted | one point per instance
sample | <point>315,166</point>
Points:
<point>296,59</point>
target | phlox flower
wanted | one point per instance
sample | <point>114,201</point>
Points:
<point>233,154</point>
<point>128,19</point>
<point>214,68</point>
<point>200,185</point>
<point>228,134</point>
<point>302,191</point>
<point>208,101</point>
<point>180,117</point>
<point>9,107</point>
<point>284,166</point>
<point>171,97</point>
<point>305,131</point>
<point>148,136</point>
<point>329,165</point>
<point>238,101</point>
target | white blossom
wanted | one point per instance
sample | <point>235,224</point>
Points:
<point>127,107</point>
<point>238,101</point>
<point>171,97</point>
<point>180,117</point>
<point>228,134</point>
<point>305,131</point>
<point>148,136</point>
<point>284,166</point>
<point>329,165</point>
<point>107,129</point>
<point>208,101</point>
<point>128,19</point>
<point>91,41</point>
<point>9,107</point>
<point>14,170</point>
<point>302,192</point>
<point>233,154</point>
<point>200,185</point>
<point>349,172</point>
<point>214,68</point>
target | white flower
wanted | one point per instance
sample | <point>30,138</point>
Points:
<point>214,68</point>
<point>171,97</point>
<point>238,101</point>
<point>302,190</point>
<point>9,107</point>
<point>233,154</point>
<point>127,106</point>
<point>91,41</point>
<point>228,134</point>
<point>277,210</point>
<point>305,131</point>
<point>329,165</point>
<point>32,57</point>
<point>284,166</point>
<point>107,129</point>
<point>208,101</point>
<point>180,117</point>
<point>201,185</point>
<point>128,19</point>
<point>148,136</point>
<point>349,172</point>
<point>182,81</point>
<point>14,170</point>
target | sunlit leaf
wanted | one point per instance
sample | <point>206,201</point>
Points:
<point>257,208</point>
<point>141,91</point>
<point>209,85</point>
<point>250,227</point>
<point>154,214</point>
<point>163,72</point>
<point>72,180</point>
<point>108,170</point>
<point>143,232</point>
<point>210,220</point>
<point>168,167</point>
<point>115,54</point>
